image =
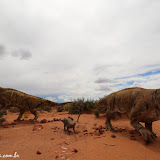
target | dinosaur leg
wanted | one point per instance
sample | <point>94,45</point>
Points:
<point>146,134</point>
<point>135,116</point>
<point>34,112</point>
<point>20,115</point>
<point>68,129</point>
<point>65,127</point>
<point>74,129</point>
<point>149,127</point>
<point>108,121</point>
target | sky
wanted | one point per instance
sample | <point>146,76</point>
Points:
<point>63,50</point>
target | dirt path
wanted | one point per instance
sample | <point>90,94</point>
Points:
<point>54,143</point>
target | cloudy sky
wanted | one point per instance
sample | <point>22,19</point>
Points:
<point>65,49</point>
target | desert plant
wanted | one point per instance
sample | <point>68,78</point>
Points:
<point>59,108</point>
<point>46,108</point>
<point>1,115</point>
<point>14,109</point>
<point>2,120</point>
<point>96,112</point>
<point>81,104</point>
<point>66,107</point>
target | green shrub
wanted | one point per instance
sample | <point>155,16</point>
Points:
<point>2,120</point>
<point>59,108</point>
<point>96,112</point>
<point>1,116</point>
<point>14,109</point>
<point>81,105</point>
<point>66,107</point>
<point>47,108</point>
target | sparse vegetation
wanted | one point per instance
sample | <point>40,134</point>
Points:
<point>2,120</point>
<point>96,112</point>
<point>66,107</point>
<point>81,104</point>
<point>14,110</point>
<point>60,108</point>
<point>46,108</point>
<point>1,117</point>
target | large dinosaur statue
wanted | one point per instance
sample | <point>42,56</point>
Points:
<point>13,98</point>
<point>141,105</point>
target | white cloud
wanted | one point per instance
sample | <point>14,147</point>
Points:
<point>65,98</point>
<point>136,84</point>
<point>68,45</point>
<point>22,54</point>
<point>54,99</point>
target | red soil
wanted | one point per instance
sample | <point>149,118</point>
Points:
<point>52,142</point>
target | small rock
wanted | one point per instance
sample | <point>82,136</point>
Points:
<point>37,127</point>
<point>95,124</point>
<point>97,134</point>
<point>38,152</point>
<point>5,125</point>
<point>63,147</point>
<point>54,128</point>
<point>13,123</point>
<point>85,130</point>
<point>77,132</point>
<point>56,119</point>
<point>52,138</point>
<point>43,121</point>
<point>75,150</point>
<point>66,143</point>
<point>113,136</point>
<point>100,129</point>
<point>56,157</point>
<point>131,132</point>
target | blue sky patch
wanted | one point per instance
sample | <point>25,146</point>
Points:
<point>153,72</point>
<point>130,82</point>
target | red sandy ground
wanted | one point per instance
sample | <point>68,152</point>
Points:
<point>49,141</point>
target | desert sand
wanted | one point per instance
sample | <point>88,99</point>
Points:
<point>48,141</point>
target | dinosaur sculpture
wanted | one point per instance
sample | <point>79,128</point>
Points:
<point>69,123</point>
<point>140,105</point>
<point>13,98</point>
